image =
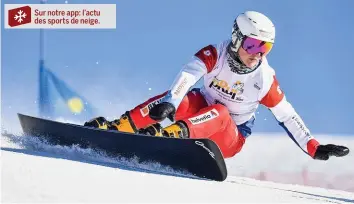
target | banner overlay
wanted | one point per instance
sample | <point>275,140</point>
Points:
<point>60,16</point>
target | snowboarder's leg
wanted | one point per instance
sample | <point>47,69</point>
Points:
<point>137,120</point>
<point>191,104</point>
<point>132,121</point>
<point>140,113</point>
<point>214,122</point>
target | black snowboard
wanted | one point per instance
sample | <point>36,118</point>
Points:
<point>201,157</point>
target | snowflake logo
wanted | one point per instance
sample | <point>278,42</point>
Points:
<point>20,16</point>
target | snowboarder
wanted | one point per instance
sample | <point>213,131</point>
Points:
<point>237,78</point>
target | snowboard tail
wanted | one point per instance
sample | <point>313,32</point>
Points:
<point>201,157</point>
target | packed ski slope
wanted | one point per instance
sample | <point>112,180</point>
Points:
<point>35,172</point>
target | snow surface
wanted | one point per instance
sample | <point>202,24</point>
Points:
<point>33,171</point>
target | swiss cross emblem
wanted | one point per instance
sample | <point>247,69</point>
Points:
<point>207,52</point>
<point>19,16</point>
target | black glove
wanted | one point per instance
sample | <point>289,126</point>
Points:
<point>162,111</point>
<point>323,152</point>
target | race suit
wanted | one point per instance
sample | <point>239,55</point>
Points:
<point>223,109</point>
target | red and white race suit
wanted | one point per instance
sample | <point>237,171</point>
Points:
<point>224,108</point>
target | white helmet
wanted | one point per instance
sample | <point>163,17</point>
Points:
<point>252,24</point>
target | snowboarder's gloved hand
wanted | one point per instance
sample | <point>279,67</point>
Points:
<point>323,152</point>
<point>162,111</point>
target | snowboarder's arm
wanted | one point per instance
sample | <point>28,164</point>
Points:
<point>288,118</point>
<point>202,62</point>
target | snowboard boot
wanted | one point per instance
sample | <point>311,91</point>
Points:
<point>123,124</point>
<point>99,122</point>
<point>176,130</point>
<point>153,130</point>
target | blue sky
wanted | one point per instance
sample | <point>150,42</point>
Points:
<point>115,68</point>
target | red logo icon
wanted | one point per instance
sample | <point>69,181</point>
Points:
<point>213,114</point>
<point>19,16</point>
